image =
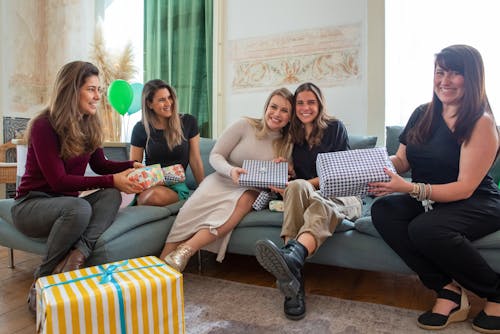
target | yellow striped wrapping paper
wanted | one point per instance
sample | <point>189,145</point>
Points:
<point>141,295</point>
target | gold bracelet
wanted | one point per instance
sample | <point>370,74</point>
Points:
<point>414,192</point>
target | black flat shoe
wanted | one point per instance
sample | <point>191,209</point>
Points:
<point>433,321</point>
<point>488,324</point>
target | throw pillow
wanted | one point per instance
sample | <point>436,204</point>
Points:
<point>358,141</point>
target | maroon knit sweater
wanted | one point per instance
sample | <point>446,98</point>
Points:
<point>46,171</point>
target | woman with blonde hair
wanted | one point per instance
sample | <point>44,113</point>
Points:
<point>165,137</point>
<point>62,140</point>
<point>219,203</point>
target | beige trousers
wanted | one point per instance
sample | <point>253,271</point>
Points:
<point>305,210</point>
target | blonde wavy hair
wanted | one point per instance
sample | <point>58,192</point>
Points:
<point>173,132</point>
<point>78,133</point>
<point>281,146</point>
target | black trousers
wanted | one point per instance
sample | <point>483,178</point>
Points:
<point>67,222</point>
<point>437,244</point>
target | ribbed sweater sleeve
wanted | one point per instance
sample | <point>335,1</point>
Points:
<point>219,156</point>
<point>45,170</point>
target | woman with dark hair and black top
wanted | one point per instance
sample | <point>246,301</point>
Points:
<point>165,137</point>
<point>308,218</point>
<point>449,144</point>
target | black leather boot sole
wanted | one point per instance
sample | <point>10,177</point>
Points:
<point>271,258</point>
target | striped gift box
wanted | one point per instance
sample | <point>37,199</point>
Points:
<point>347,173</point>
<point>141,295</point>
<point>264,173</point>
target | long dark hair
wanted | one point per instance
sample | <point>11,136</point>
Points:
<point>467,61</point>
<point>173,132</point>
<point>77,133</point>
<point>319,124</point>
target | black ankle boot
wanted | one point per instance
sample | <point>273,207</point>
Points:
<point>284,263</point>
<point>295,307</point>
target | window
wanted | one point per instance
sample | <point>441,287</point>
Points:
<point>417,30</point>
<point>123,23</point>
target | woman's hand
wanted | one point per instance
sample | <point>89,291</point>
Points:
<point>236,172</point>
<point>122,182</point>
<point>395,184</point>
<point>291,171</point>
<point>280,191</point>
<point>138,165</point>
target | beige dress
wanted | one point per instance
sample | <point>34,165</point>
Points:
<point>215,198</point>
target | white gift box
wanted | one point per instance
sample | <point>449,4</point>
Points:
<point>264,173</point>
<point>347,173</point>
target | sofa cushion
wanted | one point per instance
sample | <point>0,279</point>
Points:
<point>358,142</point>
<point>5,207</point>
<point>275,219</point>
<point>490,241</point>
<point>364,225</point>
<point>206,145</point>
<point>131,217</point>
<point>392,138</point>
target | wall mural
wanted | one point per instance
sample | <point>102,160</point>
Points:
<point>327,56</point>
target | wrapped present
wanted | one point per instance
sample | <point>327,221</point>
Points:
<point>347,173</point>
<point>173,174</point>
<point>262,201</point>
<point>277,205</point>
<point>142,295</point>
<point>264,173</point>
<point>147,176</point>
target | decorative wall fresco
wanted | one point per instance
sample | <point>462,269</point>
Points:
<point>328,56</point>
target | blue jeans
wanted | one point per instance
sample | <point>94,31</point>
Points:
<point>67,222</point>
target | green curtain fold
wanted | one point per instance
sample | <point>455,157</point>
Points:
<point>178,38</point>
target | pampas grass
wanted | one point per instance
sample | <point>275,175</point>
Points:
<point>111,67</point>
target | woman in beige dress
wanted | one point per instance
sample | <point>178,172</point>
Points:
<point>219,203</point>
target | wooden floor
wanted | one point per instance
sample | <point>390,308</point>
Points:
<point>382,288</point>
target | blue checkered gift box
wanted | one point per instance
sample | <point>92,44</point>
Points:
<point>264,173</point>
<point>347,173</point>
<point>262,201</point>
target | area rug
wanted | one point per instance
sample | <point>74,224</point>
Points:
<point>225,307</point>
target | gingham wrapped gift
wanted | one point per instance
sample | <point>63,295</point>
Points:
<point>347,173</point>
<point>141,295</point>
<point>264,173</point>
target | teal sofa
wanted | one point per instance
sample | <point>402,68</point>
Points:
<point>140,231</point>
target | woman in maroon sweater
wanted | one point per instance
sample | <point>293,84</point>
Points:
<point>62,140</point>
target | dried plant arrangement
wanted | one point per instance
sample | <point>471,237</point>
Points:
<point>111,67</point>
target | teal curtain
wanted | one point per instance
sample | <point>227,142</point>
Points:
<point>178,37</point>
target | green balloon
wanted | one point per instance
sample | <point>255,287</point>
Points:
<point>120,96</point>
